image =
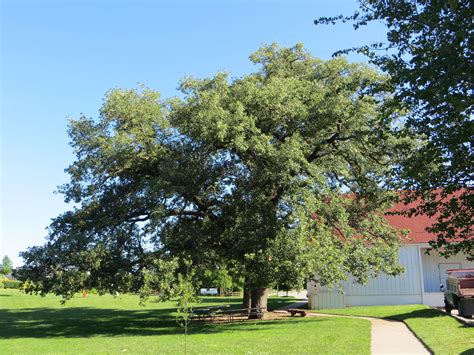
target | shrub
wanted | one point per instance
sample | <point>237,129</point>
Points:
<point>10,283</point>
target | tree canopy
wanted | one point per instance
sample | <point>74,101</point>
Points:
<point>277,175</point>
<point>6,267</point>
<point>429,57</point>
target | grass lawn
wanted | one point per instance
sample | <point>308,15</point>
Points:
<point>441,333</point>
<point>104,324</point>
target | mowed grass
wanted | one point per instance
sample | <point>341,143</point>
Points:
<point>443,334</point>
<point>105,324</point>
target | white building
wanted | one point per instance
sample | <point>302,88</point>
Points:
<point>419,284</point>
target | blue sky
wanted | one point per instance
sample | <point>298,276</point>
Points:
<point>58,58</point>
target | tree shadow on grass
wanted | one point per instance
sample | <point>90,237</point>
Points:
<point>77,322</point>
<point>83,322</point>
<point>420,313</point>
<point>428,313</point>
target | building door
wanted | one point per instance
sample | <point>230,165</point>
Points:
<point>443,271</point>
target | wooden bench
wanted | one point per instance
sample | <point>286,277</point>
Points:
<point>294,312</point>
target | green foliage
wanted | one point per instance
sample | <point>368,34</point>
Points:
<point>158,279</point>
<point>219,277</point>
<point>6,267</point>
<point>7,283</point>
<point>429,59</point>
<point>273,176</point>
<point>187,298</point>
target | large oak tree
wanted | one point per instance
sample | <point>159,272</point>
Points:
<point>276,175</point>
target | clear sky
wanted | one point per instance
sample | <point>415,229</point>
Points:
<point>58,58</point>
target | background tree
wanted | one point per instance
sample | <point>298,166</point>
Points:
<point>218,277</point>
<point>6,267</point>
<point>429,56</point>
<point>279,174</point>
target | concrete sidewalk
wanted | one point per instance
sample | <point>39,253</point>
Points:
<point>387,336</point>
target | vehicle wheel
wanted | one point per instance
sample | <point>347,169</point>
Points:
<point>461,314</point>
<point>447,306</point>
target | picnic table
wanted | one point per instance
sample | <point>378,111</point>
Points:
<point>213,312</point>
<point>209,312</point>
<point>244,312</point>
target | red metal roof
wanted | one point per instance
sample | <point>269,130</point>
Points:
<point>415,224</point>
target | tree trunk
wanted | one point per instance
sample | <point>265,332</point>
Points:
<point>247,300</point>
<point>259,297</point>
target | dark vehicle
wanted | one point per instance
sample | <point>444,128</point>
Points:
<point>459,292</point>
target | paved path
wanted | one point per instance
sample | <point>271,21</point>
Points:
<point>387,336</point>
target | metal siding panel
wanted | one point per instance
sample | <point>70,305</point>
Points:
<point>412,271</point>
<point>408,284</point>
<point>329,300</point>
<point>407,263</point>
<point>405,284</point>
<point>354,301</point>
<point>389,284</point>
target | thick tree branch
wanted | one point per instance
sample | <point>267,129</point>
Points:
<point>317,153</point>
